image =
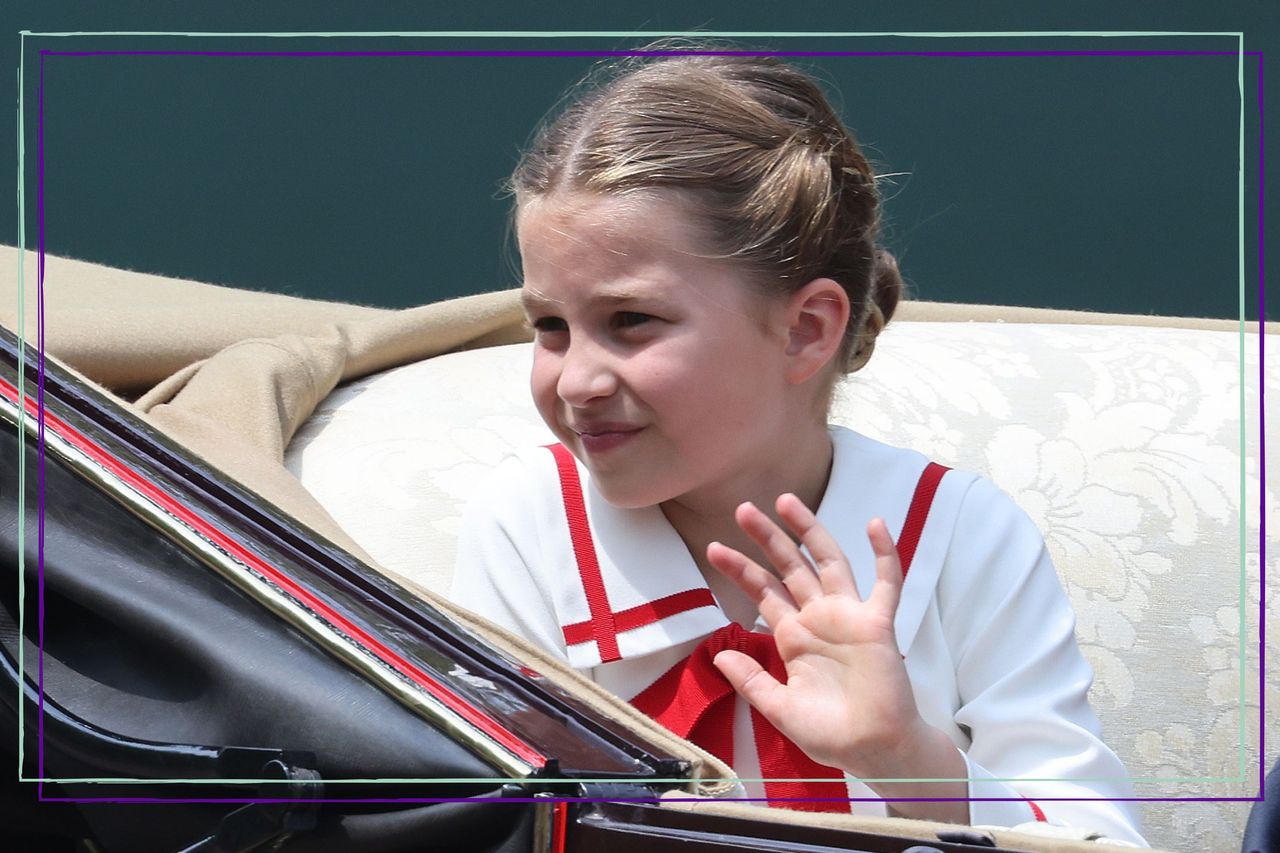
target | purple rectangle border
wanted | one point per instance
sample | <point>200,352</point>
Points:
<point>40,392</point>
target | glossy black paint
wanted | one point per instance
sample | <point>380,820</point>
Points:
<point>580,742</point>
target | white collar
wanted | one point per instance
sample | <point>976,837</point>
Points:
<point>642,559</point>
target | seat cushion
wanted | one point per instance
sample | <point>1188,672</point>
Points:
<point>1123,443</point>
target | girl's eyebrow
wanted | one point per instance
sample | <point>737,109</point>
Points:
<point>532,300</point>
<point>621,296</point>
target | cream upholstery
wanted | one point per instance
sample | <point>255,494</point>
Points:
<point>1122,442</point>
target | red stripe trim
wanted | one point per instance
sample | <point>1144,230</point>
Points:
<point>476,717</point>
<point>559,826</point>
<point>603,629</point>
<point>918,512</point>
<point>1036,810</point>
<point>645,614</point>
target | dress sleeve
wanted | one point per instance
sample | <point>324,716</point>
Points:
<point>498,573</point>
<point>1022,680</point>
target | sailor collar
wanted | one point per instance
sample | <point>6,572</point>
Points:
<point>634,589</point>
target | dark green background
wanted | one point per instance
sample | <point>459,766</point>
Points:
<point>1103,183</point>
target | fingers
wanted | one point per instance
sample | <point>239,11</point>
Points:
<point>834,574</point>
<point>888,586</point>
<point>781,551</point>
<point>772,599</point>
<point>753,683</point>
<point>801,581</point>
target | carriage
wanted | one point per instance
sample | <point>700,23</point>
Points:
<point>225,628</point>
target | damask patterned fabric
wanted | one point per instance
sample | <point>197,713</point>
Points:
<point>1135,449</point>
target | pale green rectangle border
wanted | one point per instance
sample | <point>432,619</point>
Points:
<point>1238,35</point>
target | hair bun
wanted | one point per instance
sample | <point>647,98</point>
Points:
<point>882,300</point>
<point>886,287</point>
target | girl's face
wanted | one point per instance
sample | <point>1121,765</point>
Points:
<point>661,370</point>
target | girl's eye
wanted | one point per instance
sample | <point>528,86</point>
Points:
<point>547,325</point>
<point>629,319</point>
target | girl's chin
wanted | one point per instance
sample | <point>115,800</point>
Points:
<point>626,498</point>
<point>623,492</point>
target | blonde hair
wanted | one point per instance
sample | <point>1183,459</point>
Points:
<point>753,144</point>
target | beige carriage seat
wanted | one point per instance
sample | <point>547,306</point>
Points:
<point>1123,442</point>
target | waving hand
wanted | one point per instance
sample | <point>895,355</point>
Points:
<point>847,701</point>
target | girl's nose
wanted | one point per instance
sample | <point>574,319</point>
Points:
<point>586,374</point>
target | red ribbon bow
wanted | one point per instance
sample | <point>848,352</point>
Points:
<point>696,702</point>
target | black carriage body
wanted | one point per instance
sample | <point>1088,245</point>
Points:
<point>189,668</point>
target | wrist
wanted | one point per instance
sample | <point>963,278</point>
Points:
<point>918,752</point>
<point>897,753</point>
<point>935,769</point>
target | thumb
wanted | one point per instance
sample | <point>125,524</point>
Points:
<point>753,683</point>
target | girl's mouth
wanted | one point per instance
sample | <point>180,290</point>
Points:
<point>606,437</point>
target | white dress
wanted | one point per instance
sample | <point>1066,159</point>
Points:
<point>984,626</point>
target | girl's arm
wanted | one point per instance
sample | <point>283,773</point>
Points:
<point>1023,683</point>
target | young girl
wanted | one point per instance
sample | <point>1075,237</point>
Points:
<point>698,238</point>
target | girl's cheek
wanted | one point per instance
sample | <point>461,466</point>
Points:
<point>542,378</point>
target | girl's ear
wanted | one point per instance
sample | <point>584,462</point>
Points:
<point>817,315</point>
